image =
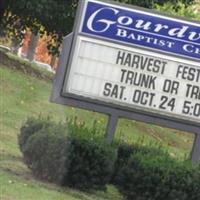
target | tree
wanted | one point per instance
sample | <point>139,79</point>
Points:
<point>153,3</point>
<point>2,8</point>
<point>54,17</point>
<point>183,11</point>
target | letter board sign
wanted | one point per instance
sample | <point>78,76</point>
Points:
<point>131,59</point>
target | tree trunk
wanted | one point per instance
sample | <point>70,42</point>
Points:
<point>15,46</point>
<point>2,9</point>
<point>32,47</point>
<point>53,62</point>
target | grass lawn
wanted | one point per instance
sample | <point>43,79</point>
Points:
<point>22,96</point>
<point>20,187</point>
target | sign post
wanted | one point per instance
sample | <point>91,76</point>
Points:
<point>196,149</point>
<point>132,63</point>
<point>111,127</point>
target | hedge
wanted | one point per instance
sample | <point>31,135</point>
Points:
<point>76,156</point>
<point>155,177</point>
<point>125,151</point>
<point>45,153</point>
<point>91,164</point>
<point>55,153</point>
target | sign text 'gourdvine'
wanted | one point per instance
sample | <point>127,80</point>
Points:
<point>143,29</point>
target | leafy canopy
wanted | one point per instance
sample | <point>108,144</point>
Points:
<point>53,17</point>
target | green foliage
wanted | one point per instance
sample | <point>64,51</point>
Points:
<point>91,158</point>
<point>55,17</point>
<point>16,181</point>
<point>45,153</point>
<point>152,3</point>
<point>73,155</point>
<point>179,9</point>
<point>151,176</point>
<point>125,151</point>
<point>47,16</point>
<point>2,2</point>
<point>78,129</point>
<point>58,153</point>
<point>30,127</point>
<point>91,164</point>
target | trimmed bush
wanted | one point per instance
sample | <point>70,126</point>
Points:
<point>91,164</point>
<point>45,153</point>
<point>125,151</point>
<point>30,127</point>
<point>79,157</point>
<point>155,177</point>
<point>91,157</point>
<point>69,154</point>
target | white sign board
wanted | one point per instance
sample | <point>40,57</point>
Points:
<point>136,61</point>
<point>135,78</point>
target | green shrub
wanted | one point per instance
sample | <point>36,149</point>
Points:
<point>46,153</point>
<point>80,130</point>
<point>125,151</point>
<point>31,126</point>
<point>91,164</point>
<point>70,154</point>
<point>182,182</point>
<point>91,157</point>
<point>155,177</point>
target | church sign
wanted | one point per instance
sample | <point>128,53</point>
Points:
<point>132,63</point>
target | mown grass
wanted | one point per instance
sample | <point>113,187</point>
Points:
<point>14,187</point>
<point>22,96</point>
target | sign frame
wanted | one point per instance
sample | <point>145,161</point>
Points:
<point>112,110</point>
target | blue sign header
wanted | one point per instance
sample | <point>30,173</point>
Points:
<point>141,28</point>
